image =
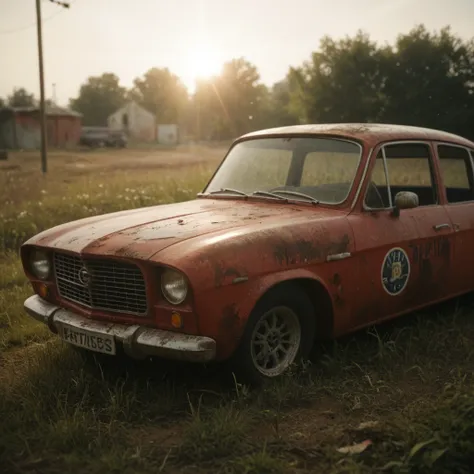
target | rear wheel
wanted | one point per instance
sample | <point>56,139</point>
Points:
<point>279,332</point>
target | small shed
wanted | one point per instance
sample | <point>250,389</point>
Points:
<point>20,127</point>
<point>135,121</point>
<point>168,134</point>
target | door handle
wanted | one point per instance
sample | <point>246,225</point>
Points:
<point>441,226</point>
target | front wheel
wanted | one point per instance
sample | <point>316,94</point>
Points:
<point>279,332</point>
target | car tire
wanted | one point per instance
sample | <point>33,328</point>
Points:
<point>288,308</point>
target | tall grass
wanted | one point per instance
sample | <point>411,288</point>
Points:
<point>61,202</point>
<point>76,414</point>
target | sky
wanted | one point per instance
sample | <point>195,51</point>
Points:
<point>194,37</point>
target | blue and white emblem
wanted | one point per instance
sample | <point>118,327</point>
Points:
<point>395,271</point>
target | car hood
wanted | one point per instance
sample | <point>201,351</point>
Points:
<point>141,233</point>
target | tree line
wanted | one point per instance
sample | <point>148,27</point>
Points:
<point>424,79</point>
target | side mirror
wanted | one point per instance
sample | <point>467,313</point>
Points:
<point>405,200</point>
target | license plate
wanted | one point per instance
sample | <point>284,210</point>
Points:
<point>88,339</point>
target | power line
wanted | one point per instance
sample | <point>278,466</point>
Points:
<point>27,27</point>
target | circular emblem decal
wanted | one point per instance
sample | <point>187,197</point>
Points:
<point>395,271</point>
<point>84,276</point>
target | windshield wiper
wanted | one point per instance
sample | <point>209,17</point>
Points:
<point>269,194</point>
<point>228,190</point>
<point>295,193</point>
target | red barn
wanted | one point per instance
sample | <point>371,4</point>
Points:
<point>20,127</point>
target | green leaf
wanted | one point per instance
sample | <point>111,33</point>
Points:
<point>418,447</point>
<point>435,455</point>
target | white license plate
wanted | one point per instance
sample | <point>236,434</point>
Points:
<point>88,340</point>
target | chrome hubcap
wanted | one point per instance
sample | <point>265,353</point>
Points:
<point>275,341</point>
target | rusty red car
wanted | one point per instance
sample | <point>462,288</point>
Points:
<point>302,233</point>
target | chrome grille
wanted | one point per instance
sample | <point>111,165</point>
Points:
<point>101,284</point>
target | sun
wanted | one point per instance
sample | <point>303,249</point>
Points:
<point>203,62</point>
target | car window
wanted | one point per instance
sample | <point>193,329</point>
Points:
<point>409,167</point>
<point>320,168</point>
<point>329,168</point>
<point>259,169</point>
<point>456,173</point>
<point>377,196</point>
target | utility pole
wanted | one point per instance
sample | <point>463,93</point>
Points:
<point>44,160</point>
<point>54,93</point>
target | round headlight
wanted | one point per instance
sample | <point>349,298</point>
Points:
<point>174,286</point>
<point>40,264</point>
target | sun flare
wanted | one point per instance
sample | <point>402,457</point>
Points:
<point>203,63</point>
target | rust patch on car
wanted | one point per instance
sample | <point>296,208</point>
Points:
<point>220,274</point>
<point>230,326</point>
<point>440,247</point>
<point>336,280</point>
<point>99,242</point>
<point>423,255</point>
<point>127,252</point>
<point>281,254</point>
<point>304,251</point>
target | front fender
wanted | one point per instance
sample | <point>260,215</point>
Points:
<point>261,286</point>
<point>223,312</point>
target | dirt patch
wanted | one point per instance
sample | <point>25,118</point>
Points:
<point>165,436</point>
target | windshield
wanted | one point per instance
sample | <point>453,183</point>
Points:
<point>321,169</point>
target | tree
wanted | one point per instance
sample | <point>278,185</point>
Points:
<point>2,102</point>
<point>430,81</point>
<point>425,79</point>
<point>232,103</point>
<point>21,98</point>
<point>284,108</point>
<point>342,82</point>
<point>98,98</point>
<point>162,93</point>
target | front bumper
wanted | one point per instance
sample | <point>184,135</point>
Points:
<point>138,341</point>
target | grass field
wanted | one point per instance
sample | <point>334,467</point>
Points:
<point>406,386</point>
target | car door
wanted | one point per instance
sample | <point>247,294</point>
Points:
<point>457,179</point>
<point>402,261</point>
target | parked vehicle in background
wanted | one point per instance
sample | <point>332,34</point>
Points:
<point>303,233</point>
<point>97,137</point>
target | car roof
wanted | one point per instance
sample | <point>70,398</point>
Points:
<point>371,133</point>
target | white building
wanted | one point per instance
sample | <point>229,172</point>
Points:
<point>136,121</point>
<point>167,134</point>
